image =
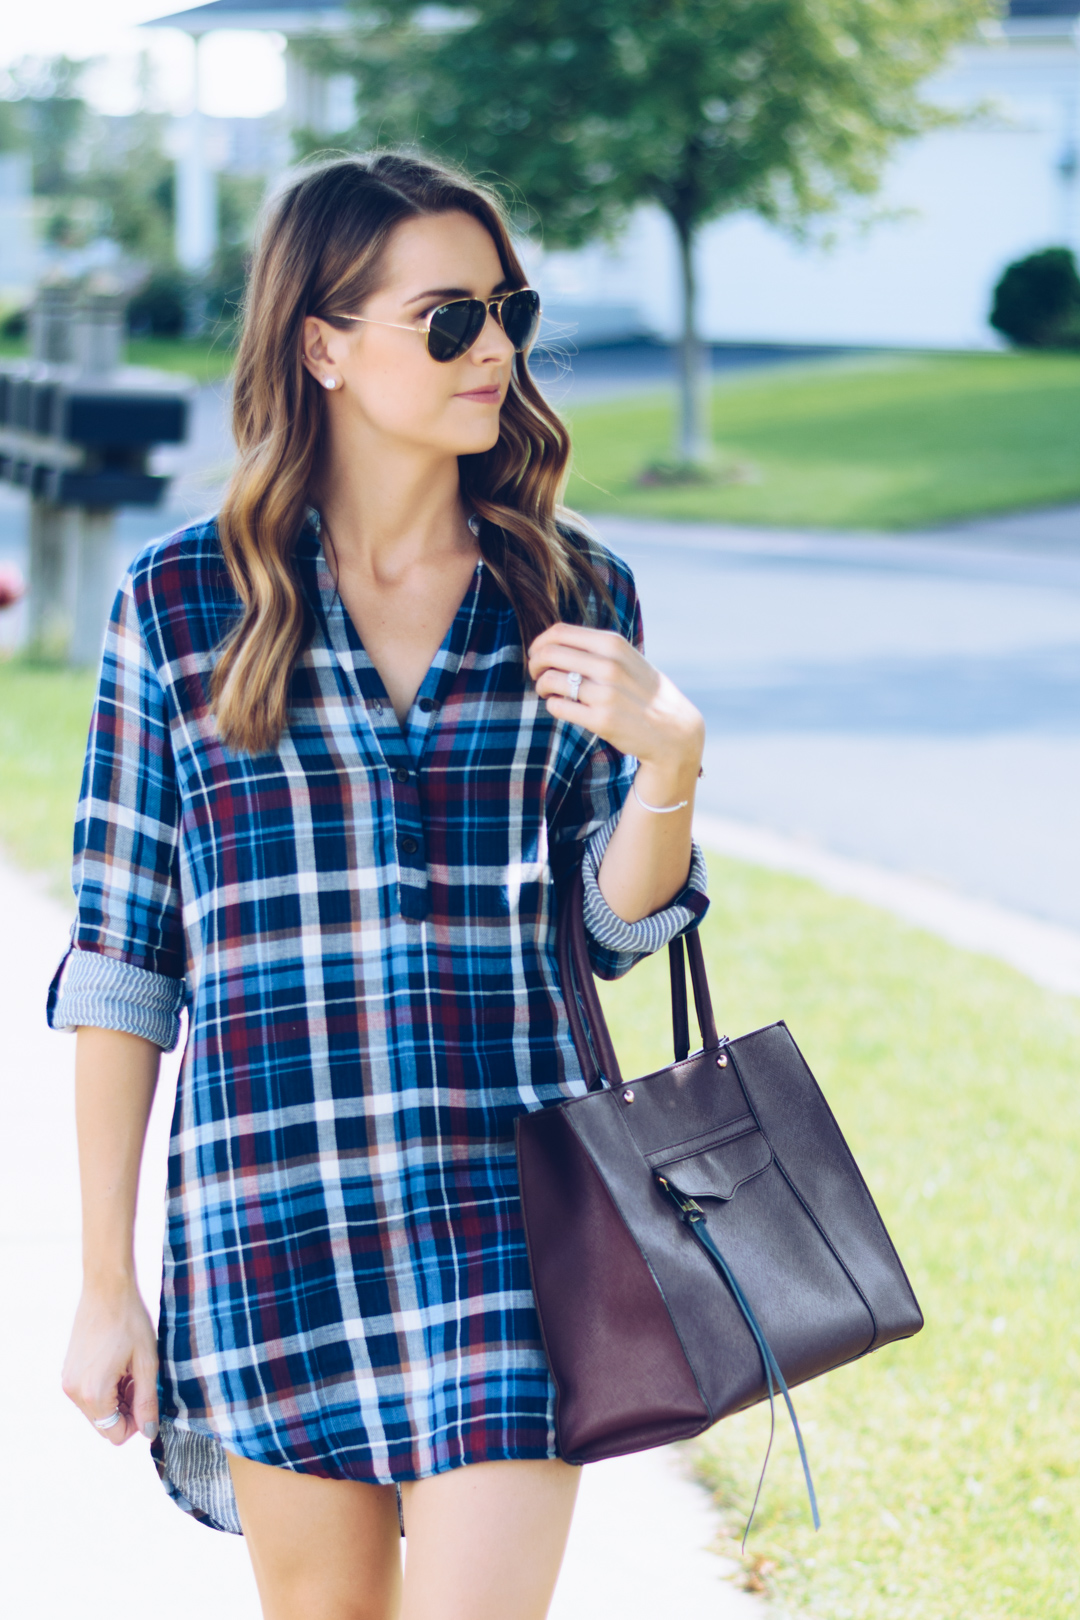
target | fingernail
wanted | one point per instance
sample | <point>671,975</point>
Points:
<point>150,1430</point>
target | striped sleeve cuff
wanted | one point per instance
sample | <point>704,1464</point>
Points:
<point>103,993</point>
<point>648,934</point>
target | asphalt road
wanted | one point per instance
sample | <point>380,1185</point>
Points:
<point>911,702</point>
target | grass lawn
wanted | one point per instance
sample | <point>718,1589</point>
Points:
<point>947,1466</point>
<point>205,359</point>
<point>884,443</point>
<point>44,714</point>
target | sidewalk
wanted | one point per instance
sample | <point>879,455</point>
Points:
<point>88,1530</point>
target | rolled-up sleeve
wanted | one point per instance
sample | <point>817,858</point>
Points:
<point>648,934</point>
<point>126,966</point>
<point>107,994</point>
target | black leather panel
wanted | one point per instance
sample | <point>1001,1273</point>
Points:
<point>677,1105</point>
<point>807,1143</point>
<point>812,1315</point>
<point>717,1171</point>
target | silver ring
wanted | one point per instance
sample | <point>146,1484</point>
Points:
<point>573,681</point>
<point>109,1422</point>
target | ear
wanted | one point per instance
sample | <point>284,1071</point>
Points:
<point>319,348</point>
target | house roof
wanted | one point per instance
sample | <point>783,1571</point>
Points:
<point>1044,8</point>
<point>287,16</point>
<point>299,16</point>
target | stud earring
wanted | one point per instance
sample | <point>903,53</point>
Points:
<point>329,382</point>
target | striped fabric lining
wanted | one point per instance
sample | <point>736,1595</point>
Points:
<point>649,934</point>
<point>100,992</point>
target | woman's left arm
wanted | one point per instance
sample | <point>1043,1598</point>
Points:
<point>639,711</point>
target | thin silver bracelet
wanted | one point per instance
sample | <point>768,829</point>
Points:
<point>658,809</point>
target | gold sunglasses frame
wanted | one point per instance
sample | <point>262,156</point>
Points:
<point>494,309</point>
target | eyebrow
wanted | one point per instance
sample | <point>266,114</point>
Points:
<point>455,292</point>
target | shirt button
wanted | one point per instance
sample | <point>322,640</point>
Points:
<point>408,845</point>
<point>426,705</point>
<point>401,774</point>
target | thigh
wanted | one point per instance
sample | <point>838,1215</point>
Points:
<point>321,1549</point>
<point>485,1542</point>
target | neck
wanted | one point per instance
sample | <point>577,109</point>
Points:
<point>390,506</point>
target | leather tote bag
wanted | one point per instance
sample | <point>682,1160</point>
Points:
<point>699,1237</point>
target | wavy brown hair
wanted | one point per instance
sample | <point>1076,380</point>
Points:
<point>319,253</point>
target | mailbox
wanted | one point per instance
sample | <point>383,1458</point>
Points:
<point>76,432</point>
<point>84,441</point>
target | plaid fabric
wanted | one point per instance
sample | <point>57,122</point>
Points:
<point>361,926</point>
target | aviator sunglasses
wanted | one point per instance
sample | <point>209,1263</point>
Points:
<point>452,329</point>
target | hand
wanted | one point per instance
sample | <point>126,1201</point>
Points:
<point>622,698</point>
<point>112,1362</point>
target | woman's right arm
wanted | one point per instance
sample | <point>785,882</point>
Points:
<point>112,1358</point>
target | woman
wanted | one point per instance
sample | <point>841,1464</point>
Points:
<point>326,799</point>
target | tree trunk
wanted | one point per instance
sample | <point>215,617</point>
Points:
<point>692,445</point>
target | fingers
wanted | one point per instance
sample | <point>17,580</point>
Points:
<point>144,1401</point>
<point>109,1412</point>
<point>577,714</point>
<point>110,1371</point>
<point>571,646</point>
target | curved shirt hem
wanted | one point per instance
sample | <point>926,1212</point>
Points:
<point>193,1466</point>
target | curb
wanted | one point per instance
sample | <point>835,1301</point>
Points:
<point>1044,952</point>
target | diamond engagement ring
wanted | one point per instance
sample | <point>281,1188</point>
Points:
<point>573,682</point>
<point>107,1422</point>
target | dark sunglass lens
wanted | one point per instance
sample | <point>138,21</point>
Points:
<point>521,317</point>
<point>454,327</point>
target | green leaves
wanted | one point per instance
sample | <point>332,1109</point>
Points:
<point>704,106</point>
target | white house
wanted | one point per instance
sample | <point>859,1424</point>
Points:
<point>957,205</point>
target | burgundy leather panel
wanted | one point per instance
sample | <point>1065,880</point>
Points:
<point>623,1379</point>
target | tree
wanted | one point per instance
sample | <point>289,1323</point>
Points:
<point>704,107</point>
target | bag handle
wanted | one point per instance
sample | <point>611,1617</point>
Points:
<point>593,1044</point>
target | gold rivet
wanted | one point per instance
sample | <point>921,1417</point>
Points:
<point>721,1061</point>
<point>628,1095</point>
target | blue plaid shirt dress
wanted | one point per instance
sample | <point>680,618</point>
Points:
<point>360,926</point>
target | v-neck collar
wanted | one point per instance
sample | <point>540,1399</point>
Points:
<point>400,743</point>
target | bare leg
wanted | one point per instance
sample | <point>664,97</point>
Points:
<point>485,1542</point>
<point>321,1549</point>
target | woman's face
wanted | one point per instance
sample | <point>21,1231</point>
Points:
<point>385,379</point>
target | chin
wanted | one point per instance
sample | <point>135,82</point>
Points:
<point>479,442</point>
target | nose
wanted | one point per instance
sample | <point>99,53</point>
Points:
<point>493,343</point>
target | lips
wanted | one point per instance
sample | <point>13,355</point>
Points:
<point>486,396</point>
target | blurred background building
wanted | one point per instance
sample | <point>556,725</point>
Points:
<point>917,267</point>
<point>957,205</point>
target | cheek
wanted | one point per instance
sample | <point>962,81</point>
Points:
<point>395,395</point>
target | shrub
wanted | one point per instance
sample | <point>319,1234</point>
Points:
<point>15,324</point>
<point>160,307</point>
<point>1037,301</point>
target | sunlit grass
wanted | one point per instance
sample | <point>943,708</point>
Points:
<point>204,360</point>
<point>947,1466</point>
<point>44,716</point>
<point>877,443</point>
